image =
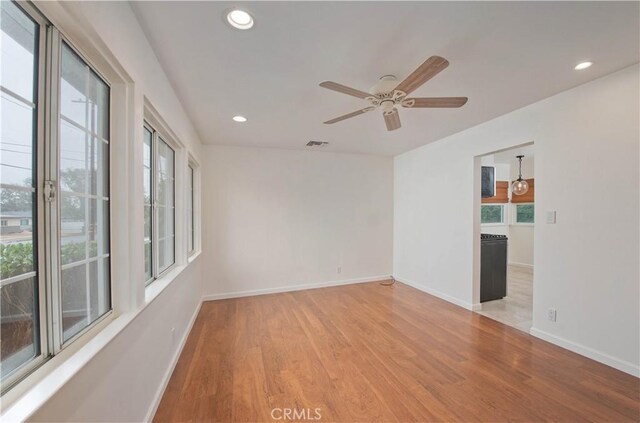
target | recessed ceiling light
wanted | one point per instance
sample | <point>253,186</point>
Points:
<point>240,118</point>
<point>583,65</point>
<point>239,19</point>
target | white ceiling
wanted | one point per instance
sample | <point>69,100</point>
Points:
<point>503,55</point>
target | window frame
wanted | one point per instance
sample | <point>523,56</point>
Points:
<point>191,208</point>
<point>52,172</point>
<point>46,214</point>
<point>514,215</point>
<point>503,221</point>
<point>156,137</point>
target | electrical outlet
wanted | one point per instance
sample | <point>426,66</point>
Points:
<point>551,217</point>
<point>551,314</point>
<point>339,269</point>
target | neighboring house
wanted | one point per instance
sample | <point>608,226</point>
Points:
<point>15,222</point>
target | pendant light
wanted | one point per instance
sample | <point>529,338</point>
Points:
<point>520,186</point>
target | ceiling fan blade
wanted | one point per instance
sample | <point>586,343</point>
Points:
<point>430,68</point>
<point>435,102</point>
<point>350,115</point>
<point>392,120</point>
<point>344,89</point>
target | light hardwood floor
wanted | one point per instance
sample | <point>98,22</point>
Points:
<point>516,309</point>
<point>372,353</point>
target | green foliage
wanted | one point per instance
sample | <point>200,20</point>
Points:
<point>75,251</point>
<point>16,259</point>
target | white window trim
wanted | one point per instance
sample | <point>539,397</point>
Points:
<point>197,215</point>
<point>154,120</point>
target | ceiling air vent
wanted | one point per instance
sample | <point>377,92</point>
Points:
<point>317,143</point>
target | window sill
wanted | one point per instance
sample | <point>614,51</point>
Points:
<point>523,224</point>
<point>51,376</point>
<point>156,287</point>
<point>194,256</point>
<point>493,224</point>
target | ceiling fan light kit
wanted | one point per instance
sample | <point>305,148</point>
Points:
<point>388,95</point>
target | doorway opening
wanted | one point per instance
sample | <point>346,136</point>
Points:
<point>506,223</point>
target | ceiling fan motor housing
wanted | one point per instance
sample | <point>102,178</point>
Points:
<point>385,95</point>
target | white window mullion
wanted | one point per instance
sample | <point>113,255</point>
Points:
<point>52,210</point>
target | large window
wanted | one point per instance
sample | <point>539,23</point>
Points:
<point>159,200</point>
<point>524,213</point>
<point>492,213</point>
<point>54,249</point>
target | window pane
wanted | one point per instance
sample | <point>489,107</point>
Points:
<point>17,51</point>
<point>73,158</point>
<point>524,213</point>
<point>20,337</point>
<point>16,134</point>
<point>165,205</point>
<point>73,227</point>
<point>73,88</point>
<point>85,295</point>
<point>491,213</point>
<point>98,228</point>
<point>84,215</point>
<point>19,297</point>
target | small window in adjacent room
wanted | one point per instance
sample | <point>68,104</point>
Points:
<point>191,243</point>
<point>524,213</point>
<point>491,213</point>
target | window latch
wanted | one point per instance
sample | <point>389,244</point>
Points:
<point>49,191</point>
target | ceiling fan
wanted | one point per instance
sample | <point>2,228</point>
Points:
<point>388,94</point>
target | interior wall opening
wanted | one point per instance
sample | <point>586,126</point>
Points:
<point>506,220</point>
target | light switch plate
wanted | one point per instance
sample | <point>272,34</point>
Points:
<point>551,217</point>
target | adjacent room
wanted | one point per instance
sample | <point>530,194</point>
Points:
<point>351,211</point>
<point>507,219</point>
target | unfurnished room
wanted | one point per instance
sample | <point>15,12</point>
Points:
<point>328,211</point>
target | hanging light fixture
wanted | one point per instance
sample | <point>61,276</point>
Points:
<point>520,186</point>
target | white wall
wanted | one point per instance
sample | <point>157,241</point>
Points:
<point>278,219</point>
<point>122,381</point>
<point>586,167</point>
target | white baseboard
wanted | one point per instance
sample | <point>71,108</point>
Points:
<point>439,294</point>
<point>253,292</point>
<point>588,352</point>
<point>525,265</point>
<point>169,372</point>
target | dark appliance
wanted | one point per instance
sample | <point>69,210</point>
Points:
<point>488,181</point>
<point>493,267</point>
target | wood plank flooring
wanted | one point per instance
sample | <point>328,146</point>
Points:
<point>373,353</point>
